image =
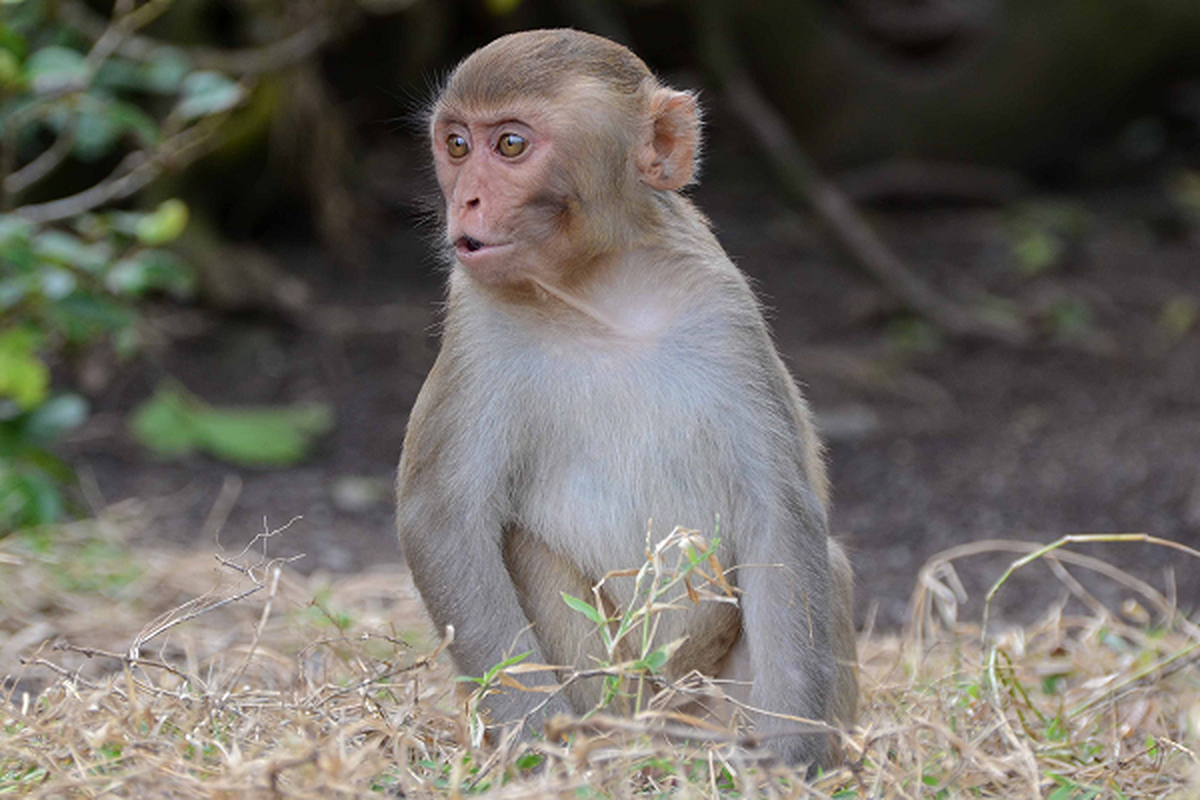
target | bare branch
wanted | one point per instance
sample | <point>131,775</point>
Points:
<point>250,61</point>
<point>46,162</point>
<point>136,171</point>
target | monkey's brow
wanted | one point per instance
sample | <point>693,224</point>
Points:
<point>489,118</point>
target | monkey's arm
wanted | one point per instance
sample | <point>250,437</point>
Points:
<point>452,538</point>
<point>785,618</point>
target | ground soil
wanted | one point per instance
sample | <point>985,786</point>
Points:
<point>933,443</point>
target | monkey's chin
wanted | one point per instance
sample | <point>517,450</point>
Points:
<point>489,263</point>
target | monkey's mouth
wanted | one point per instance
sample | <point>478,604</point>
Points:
<point>468,246</point>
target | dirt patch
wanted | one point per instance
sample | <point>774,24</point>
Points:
<point>928,448</point>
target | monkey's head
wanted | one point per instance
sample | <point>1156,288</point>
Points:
<point>550,148</point>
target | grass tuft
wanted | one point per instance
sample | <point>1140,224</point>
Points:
<point>136,672</point>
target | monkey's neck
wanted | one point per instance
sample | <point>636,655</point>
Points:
<point>578,304</point>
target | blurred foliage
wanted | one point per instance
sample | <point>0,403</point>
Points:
<point>175,423</point>
<point>1043,234</point>
<point>501,7</point>
<point>1185,192</point>
<point>911,334</point>
<point>81,129</point>
<point>1179,316</point>
<point>1071,318</point>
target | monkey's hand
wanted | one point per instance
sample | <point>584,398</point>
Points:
<point>528,707</point>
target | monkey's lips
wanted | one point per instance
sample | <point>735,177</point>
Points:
<point>468,248</point>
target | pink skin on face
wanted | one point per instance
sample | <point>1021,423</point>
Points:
<point>488,169</point>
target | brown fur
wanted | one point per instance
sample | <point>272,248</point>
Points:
<point>603,362</point>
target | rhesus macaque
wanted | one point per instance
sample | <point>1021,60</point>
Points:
<point>604,363</point>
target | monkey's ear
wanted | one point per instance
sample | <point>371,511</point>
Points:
<point>667,158</point>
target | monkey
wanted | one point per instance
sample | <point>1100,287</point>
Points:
<point>602,363</point>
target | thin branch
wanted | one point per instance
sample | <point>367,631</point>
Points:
<point>125,20</point>
<point>250,61</point>
<point>136,171</point>
<point>46,162</point>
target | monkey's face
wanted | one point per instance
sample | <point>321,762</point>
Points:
<point>493,170</point>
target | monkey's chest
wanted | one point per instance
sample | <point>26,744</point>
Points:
<point>607,451</point>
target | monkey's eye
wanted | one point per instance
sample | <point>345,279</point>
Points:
<point>457,146</point>
<point>511,145</point>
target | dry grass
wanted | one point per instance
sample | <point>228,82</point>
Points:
<point>275,684</point>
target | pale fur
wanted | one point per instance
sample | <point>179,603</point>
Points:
<point>552,429</point>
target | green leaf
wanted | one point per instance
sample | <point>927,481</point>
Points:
<point>12,291</point>
<point>83,318</point>
<point>97,130</point>
<point>128,118</point>
<point>10,35</point>
<point>165,424</point>
<point>152,271</point>
<point>1071,317</point>
<point>16,247</point>
<point>14,229</point>
<point>468,679</point>
<point>55,417</point>
<point>120,74</point>
<point>656,660</point>
<point>206,93</point>
<point>1179,316</point>
<point>501,8</point>
<point>1061,793</point>
<point>584,608</point>
<point>23,376</point>
<point>491,674</point>
<point>69,250</point>
<point>162,72</point>
<point>56,282</point>
<point>1037,251</point>
<point>127,341</point>
<point>166,69</point>
<point>11,77</point>
<point>53,467</point>
<point>913,335</point>
<point>27,498</point>
<point>56,68</point>
<point>173,423</point>
<point>264,437</point>
<point>528,761</point>
<point>164,225</point>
